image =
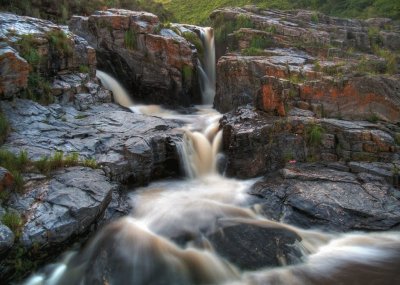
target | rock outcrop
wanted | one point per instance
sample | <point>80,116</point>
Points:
<point>130,147</point>
<point>330,198</point>
<point>255,143</point>
<point>279,60</point>
<point>153,62</point>
<point>34,52</point>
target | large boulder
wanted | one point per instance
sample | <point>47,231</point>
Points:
<point>153,62</point>
<point>316,196</point>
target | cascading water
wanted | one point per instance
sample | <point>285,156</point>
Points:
<point>206,68</point>
<point>165,240</point>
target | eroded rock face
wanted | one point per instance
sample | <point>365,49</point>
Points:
<point>255,143</point>
<point>131,147</point>
<point>154,63</point>
<point>6,239</point>
<point>57,209</point>
<point>316,196</point>
<point>280,60</point>
<point>47,49</point>
<point>14,72</point>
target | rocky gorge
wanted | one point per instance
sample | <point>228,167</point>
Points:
<point>310,108</point>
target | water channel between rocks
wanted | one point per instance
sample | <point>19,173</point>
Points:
<point>205,229</point>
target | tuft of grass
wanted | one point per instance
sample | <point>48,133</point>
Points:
<point>18,181</point>
<point>130,40</point>
<point>71,159</point>
<point>28,49</point>
<point>390,59</point>
<point>252,51</point>
<point>56,161</point>
<point>43,164</point>
<point>12,220</point>
<point>314,134</point>
<point>90,162</point>
<point>373,118</point>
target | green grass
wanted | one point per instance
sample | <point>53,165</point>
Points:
<point>12,220</point>
<point>195,12</point>
<point>84,69</point>
<point>187,73</point>
<point>59,41</point>
<point>130,39</point>
<point>314,133</point>
<point>90,162</point>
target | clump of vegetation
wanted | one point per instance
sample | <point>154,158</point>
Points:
<point>315,18</point>
<point>257,45</point>
<point>390,59</point>
<point>12,220</point>
<point>4,127</point>
<point>130,39</point>
<point>28,49</point>
<point>84,69</point>
<point>397,138</point>
<point>187,73</point>
<point>90,162</point>
<point>58,160</point>
<point>373,118</point>
<point>59,41</point>
<point>194,39</point>
<point>224,27</point>
<point>314,133</point>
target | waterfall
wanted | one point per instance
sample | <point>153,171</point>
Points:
<point>206,68</point>
<point>119,93</point>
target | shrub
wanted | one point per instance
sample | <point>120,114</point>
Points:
<point>130,39</point>
<point>28,49</point>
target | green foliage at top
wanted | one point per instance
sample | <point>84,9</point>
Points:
<point>196,12</point>
<point>61,11</point>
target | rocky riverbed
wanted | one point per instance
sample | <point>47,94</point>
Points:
<point>302,115</point>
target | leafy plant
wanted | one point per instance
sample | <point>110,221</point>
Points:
<point>59,40</point>
<point>194,39</point>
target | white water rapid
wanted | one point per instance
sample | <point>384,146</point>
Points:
<point>168,238</point>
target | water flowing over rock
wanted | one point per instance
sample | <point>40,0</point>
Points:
<point>280,60</point>
<point>155,64</point>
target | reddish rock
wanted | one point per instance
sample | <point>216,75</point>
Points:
<point>154,63</point>
<point>14,72</point>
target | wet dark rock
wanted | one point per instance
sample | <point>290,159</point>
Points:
<point>130,147</point>
<point>315,196</point>
<point>255,142</point>
<point>57,209</point>
<point>251,246</point>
